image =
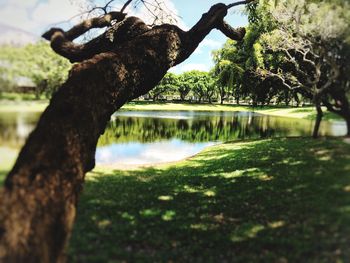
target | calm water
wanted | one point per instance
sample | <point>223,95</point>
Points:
<point>146,137</point>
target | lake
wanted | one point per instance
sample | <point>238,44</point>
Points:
<point>149,137</point>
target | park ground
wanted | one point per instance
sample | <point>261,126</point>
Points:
<point>280,200</point>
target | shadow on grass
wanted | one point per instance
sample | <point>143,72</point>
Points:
<point>283,200</point>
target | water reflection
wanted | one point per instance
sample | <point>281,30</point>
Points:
<point>144,137</point>
<point>135,153</point>
<point>15,127</point>
<point>205,127</point>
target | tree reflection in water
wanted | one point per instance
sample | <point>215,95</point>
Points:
<point>156,136</point>
<point>202,127</point>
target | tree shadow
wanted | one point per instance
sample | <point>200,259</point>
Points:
<point>283,200</point>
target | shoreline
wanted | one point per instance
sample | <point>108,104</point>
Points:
<point>7,106</point>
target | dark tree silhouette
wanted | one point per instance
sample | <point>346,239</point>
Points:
<point>38,201</point>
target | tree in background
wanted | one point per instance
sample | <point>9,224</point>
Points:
<point>38,63</point>
<point>211,87</point>
<point>167,86</point>
<point>201,85</point>
<point>236,62</point>
<point>294,50</point>
<point>185,84</point>
<point>311,47</point>
<point>6,83</point>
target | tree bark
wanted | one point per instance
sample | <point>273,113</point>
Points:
<point>318,120</point>
<point>347,120</point>
<point>38,201</point>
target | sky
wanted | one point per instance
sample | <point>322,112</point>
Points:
<point>36,16</point>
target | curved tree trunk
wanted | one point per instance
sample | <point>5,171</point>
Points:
<point>38,201</point>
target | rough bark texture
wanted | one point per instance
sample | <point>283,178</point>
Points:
<point>38,201</point>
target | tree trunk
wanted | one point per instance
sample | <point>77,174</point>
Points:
<point>222,98</point>
<point>182,97</point>
<point>347,120</point>
<point>209,99</point>
<point>199,99</point>
<point>39,198</point>
<point>318,120</point>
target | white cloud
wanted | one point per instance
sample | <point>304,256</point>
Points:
<point>145,14</point>
<point>190,66</point>
<point>16,38</point>
<point>16,17</point>
<point>207,43</point>
<point>23,4</point>
<point>54,11</point>
<point>35,16</point>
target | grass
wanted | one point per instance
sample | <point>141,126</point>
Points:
<point>14,96</point>
<point>23,106</point>
<point>281,200</point>
<point>7,159</point>
<point>300,113</point>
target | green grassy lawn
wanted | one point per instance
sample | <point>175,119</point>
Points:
<point>281,200</point>
<point>294,112</point>
<point>14,96</point>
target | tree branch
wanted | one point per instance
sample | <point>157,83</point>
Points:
<point>125,5</point>
<point>83,27</point>
<point>230,32</point>
<point>61,41</point>
<point>330,107</point>
<point>240,3</point>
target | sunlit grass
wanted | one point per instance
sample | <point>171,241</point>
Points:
<point>271,110</point>
<point>256,201</point>
<point>7,158</point>
<point>182,106</point>
<point>22,106</point>
<point>281,200</point>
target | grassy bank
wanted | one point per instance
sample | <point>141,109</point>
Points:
<point>282,200</point>
<point>7,159</point>
<point>292,112</point>
<point>23,106</point>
